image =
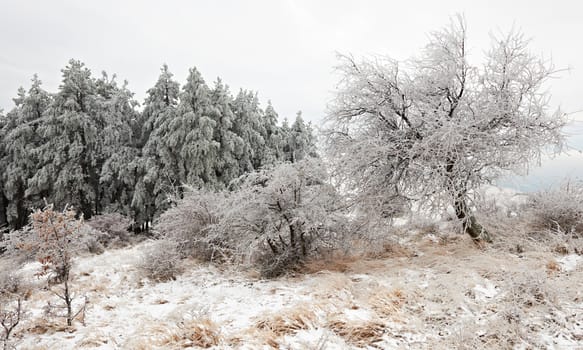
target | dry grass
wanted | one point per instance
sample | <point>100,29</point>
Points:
<point>288,321</point>
<point>42,326</point>
<point>202,333</point>
<point>95,340</point>
<point>369,333</point>
<point>387,303</point>
<point>193,333</point>
<point>553,267</point>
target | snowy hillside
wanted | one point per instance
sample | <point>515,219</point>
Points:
<point>428,293</point>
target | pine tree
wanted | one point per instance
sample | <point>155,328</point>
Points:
<point>189,137</point>
<point>154,181</point>
<point>120,145</point>
<point>20,141</point>
<point>248,126</point>
<point>273,136</point>
<point>301,140</point>
<point>226,163</point>
<point>70,159</point>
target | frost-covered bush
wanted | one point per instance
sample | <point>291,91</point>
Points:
<point>274,219</point>
<point>10,281</point>
<point>160,261</point>
<point>280,217</point>
<point>20,245</point>
<point>559,209</point>
<point>112,229</point>
<point>93,243</point>
<point>191,224</point>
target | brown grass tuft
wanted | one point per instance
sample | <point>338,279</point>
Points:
<point>288,321</point>
<point>387,303</point>
<point>553,267</point>
<point>191,333</point>
<point>43,326</point>
<point>202,333</point>
<point>358,334</point>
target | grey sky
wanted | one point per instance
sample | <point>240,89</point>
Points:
<point>283,49</point>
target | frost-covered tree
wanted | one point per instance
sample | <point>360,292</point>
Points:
<point>70,159</point>
<point>300,140</point>
<point>154,180</point>
<point>20,139</point>
<point>229,143</point>
<point>435,128</point>
<point>248,125</point>
<point>120,151</point>
<point>189,137</point>
<point>273,136</point>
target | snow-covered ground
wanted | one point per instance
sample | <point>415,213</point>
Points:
<point>442,294</point>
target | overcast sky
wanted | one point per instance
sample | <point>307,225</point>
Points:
<point>283,49</point>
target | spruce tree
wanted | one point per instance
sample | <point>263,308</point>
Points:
<point>189,137</point>
<point>21,138</point>
<point>248,126</point>
<point>120,145</point>
<point>226,165</point>
<point>70,159</point>
<point>273,136</point>
<point>154,179</point>
<point>301,140</point>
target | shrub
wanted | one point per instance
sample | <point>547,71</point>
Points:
<point>160,261</point>
<point>21,245</point>
<point>190,224</point>
<point>10,281</point>
<point>559,209</point>
<point>111,229</point>
<point>93,244</point>
<point>281,217</point>
<point>274,219</point>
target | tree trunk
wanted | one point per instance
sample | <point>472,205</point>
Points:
<point>68,302</point>
<point>469,223</point>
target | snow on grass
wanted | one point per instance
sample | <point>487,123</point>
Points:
<point>446,295</point>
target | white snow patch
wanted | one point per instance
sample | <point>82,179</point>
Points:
<point>485,292</point>
<point>569,262</point>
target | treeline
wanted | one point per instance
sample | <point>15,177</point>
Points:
<point>89,145</point>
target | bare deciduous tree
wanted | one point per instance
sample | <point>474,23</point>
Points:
<point>57,236</point>
<point>10,316</point>
<point>435,128</point>
<point>11,296</point>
